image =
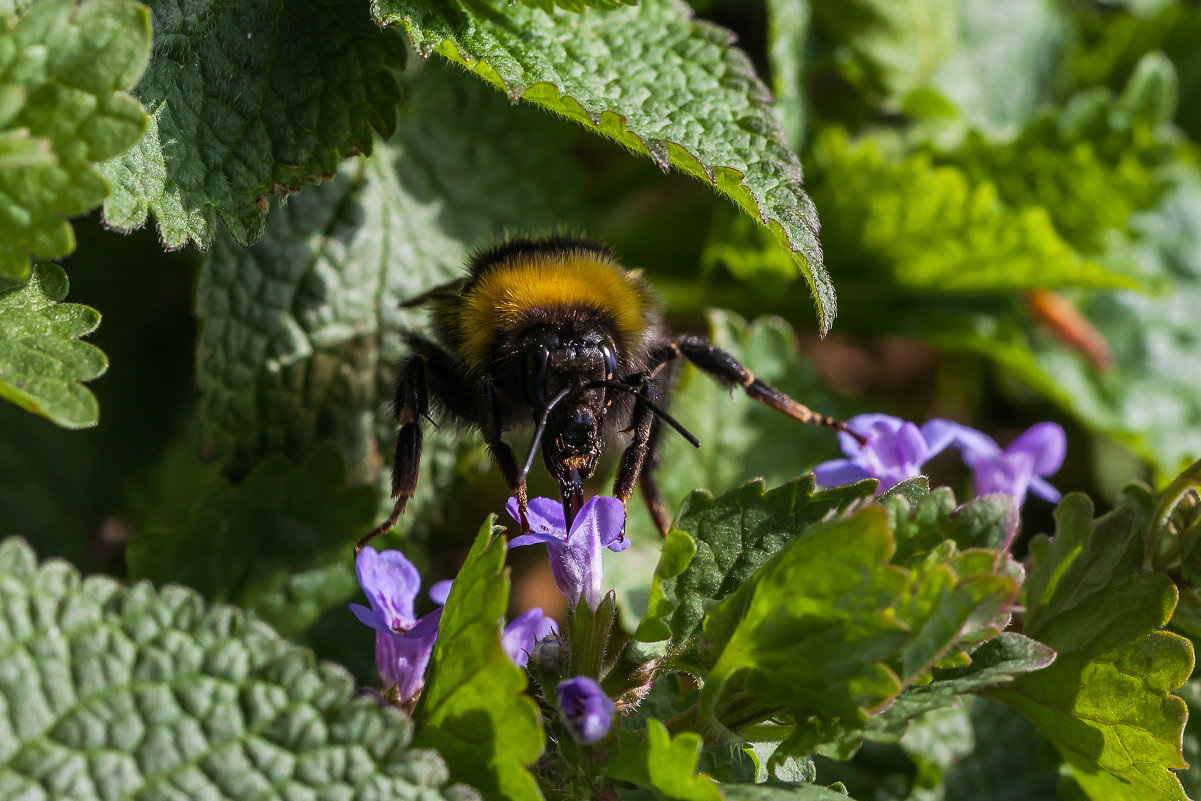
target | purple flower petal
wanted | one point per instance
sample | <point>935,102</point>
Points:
<point>391,584</point>
<point>1046,443</point>
<point>526,629</point>
<point>369,617</point>
<point>586,710</point>
<point>402,658</point>
<point>1003,472</point>
<point>839,472</point>
<point>975,444</point>
<point>1044,490</point>
<point>440,591</point>
<point>608,515</point>
<point>939,434</point>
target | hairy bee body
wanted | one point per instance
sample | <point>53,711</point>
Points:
<point>556,334</point>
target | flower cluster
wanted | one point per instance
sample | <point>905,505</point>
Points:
<point>404,643</point>
<point>895,449</point>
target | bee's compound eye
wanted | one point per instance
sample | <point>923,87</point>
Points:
<point>610,359</point>
<point>535,368</point>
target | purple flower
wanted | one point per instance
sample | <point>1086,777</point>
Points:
<point>526,629</point>
<point>1037,452</point>
<point>895,450</point>
<point>586,710</point>
<point>391,584</point>
<point>403,643</point>
<point>575,555</point>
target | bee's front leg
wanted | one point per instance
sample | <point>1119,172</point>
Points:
<point>488,415</point>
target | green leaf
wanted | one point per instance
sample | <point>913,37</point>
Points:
<point>1004,764</point>
<point>788,23</point>
<point>662,763</point>
<point>578,5</point>
<point>474,710</point>
<point>63,69</point>
<point>280,543</point>
<point>301,335</point>
<point>248,100</point>
<point>42,362</point>
<point>112,692</point>
<point>921,525</point>
<point>716,545</point>
<point>650,78</point>
<point>862,631</point>
<point>915,226</point>
<point>1107,700</point>
<point>740,439</point>
<point>781,791</point>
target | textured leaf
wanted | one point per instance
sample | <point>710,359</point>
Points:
<point>42,362</point>
<point>1107,701</point>
<point>663,763</point>
<point>740,439</point>
<point>302,334</point>
<point>112,692</point>
<point>781,791</point>
<point>578,5</point>
<point>246,100</point>
<point>474,710</point>
<point>651,79</point>
<point>280,542</point>
<point>917,226</point>
<point>716,545</point>
<point>63,69</point>
<point>921,525</point>
<point>861,632</point>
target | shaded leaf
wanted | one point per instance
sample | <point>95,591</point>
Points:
<point>247,100</point>
<point>63,71</point>
<point>114,691</point>
<point>280,542</point>
<point>662,763</point>
<point>42,362</point>
<point>650,78</point>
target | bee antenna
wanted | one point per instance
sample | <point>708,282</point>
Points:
<point>529,459</point>
<point>655,408</point>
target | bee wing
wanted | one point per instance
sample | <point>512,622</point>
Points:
<point>446,291</point>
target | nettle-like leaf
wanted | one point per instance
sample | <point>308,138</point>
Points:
<point>63,71</point>
<point>130,692</point>
<point>474,710</point>
<point>578,5</point>
<point>249,99</point>
<point>650,78</point>
<point>280,542</point>
<point>862,630</point>
<point>1107,701</point>
<point>301,335</point>
<point>716,544</point>
<point>1089,164</point>
<point>922,227</point>
<point>662,763</point>
<point>740,439</point>
<point>42,362</point>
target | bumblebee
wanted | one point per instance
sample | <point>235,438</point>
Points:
<point>554,333</point>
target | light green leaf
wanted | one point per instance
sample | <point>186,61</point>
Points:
<point>112,692</point>
<point>781,791</point>
<point>906,224</point>
<point>302,334</point>
<point>1107,701</point>
<point>63,71</point>
<point>716,545</point>
<point>474,710</point>
<point>662,763</point>
<point>248,100</point>
<point>280,542</point>
<point>862,631</point>
<point>42,362</point>
<point>650,78</point>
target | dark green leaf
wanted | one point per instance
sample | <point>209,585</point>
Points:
<point>42,362</point>
<point>248,100</point>
<point>280,543</point>
<point>112,692</point>
<point>1106,701</point>
<point>63,71</point>
<point>650,78</point>
<point>1004,763</point>
<point>474,710</point>
<point>578,5</point>
<point>788,24</point>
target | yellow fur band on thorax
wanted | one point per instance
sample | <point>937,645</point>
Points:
<point>503,296</point>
